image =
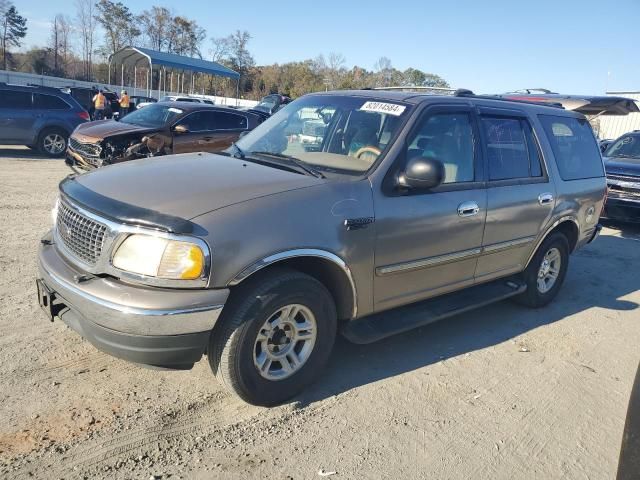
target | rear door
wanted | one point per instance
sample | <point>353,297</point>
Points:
<point>224,128</point>
<point>16,117</point>
<point>520,195</point>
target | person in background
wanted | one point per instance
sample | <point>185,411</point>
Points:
<point>99,104</point>
<point>124,103</point>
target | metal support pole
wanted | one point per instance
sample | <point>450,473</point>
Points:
<point>171,88</point>
<point>135,78</point>
<point>238,92</point>
<point>122,77</point>
<point>150,78</point>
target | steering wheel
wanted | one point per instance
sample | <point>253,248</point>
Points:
<point>368,149</point>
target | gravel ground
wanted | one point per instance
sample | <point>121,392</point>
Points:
<point>501,393</point>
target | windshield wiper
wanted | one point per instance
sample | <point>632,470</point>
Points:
<point>239,152</point>
<point>298,163</point>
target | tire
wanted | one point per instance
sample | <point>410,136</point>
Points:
<point>235,350</point>
<point>50,142</point>
<point>535,296</point>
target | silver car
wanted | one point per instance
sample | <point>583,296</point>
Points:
<point>403,210</point>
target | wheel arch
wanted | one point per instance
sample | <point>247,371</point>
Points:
<point>326,267</point>
<point>568,226</point>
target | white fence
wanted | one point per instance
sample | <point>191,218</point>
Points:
<point>19,78</point>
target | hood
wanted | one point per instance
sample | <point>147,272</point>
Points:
<point>622,166</point>
<point>183,186</point>
<point>95,131</point>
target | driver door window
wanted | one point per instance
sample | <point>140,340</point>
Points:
<point>447,137</point>
<point>195,122</point>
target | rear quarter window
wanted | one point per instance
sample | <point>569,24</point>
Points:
<point>574,147</point>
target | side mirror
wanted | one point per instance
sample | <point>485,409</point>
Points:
<point>421,173</point>
<point>181,129</point>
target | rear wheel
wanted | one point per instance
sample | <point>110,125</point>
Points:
<point>274,338</point>
<point>545,274</point>
<point>53,142</point>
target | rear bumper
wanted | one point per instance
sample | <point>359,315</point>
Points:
<point>620,208</point>
<point>154,326</point>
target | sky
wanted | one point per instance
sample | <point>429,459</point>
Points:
<point>490,46</point>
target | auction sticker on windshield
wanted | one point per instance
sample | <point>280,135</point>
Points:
<point>382,107</point>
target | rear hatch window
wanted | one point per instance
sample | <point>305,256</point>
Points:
<point>574,147</point>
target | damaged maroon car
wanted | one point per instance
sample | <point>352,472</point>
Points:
<point>158,129</point>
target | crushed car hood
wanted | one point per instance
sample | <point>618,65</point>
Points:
<point>622,166</point>
<point>94,131</point>
<point>178,186</point>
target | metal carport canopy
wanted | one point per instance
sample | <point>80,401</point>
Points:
<point>135,56</point>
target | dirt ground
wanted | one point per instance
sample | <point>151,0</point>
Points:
<point>499,393</point>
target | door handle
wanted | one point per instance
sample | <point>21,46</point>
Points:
<point>545,198</point>
<point>468,209</point>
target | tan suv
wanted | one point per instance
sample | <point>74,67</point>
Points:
<point>405,209</point>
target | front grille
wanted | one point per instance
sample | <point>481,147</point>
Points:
<point>81,235</point>
<point>85,149</point>
<point>624,178</point>
<point>629,187</point>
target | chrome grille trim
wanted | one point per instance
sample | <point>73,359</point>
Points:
<point>80,235</point>
<point>85,149</point>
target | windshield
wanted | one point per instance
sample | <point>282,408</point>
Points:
<point>153,116</point>
<point>334,133</point>
<point>628,146</point>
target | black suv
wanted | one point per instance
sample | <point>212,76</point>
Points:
<point>39,117</point>
<point>622,164</point>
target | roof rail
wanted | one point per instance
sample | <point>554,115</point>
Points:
<point>463,92</point>
<point>418,88</point>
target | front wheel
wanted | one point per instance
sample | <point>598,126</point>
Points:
<point>274,338</point>
<point>545,274</point>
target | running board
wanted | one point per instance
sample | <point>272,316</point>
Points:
<point>391,322</point>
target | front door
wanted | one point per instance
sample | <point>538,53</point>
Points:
<point>209,131</point>
<point>520,194</point>
<point>428,242</point>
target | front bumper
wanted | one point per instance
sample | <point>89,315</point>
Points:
<point>622,208</point>
<point>153,326</point>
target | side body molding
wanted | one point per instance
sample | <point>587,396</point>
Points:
<point>302,252</point>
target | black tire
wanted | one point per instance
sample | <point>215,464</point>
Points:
<point>233,342</point>
<point>44,144</point>
<point>533,297</point>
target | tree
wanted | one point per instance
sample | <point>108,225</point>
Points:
<point>60,44</point>
<point>385,71</point>
<point>86,24</point>
<point>185,37</point>
<point>156,25</point>
<point>433,80</point>
<point>220,49</point>
<point>119,25</point>
<point>14,29</point>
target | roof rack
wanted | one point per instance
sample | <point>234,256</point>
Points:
<point>412,88</point>
<point>463,92</point>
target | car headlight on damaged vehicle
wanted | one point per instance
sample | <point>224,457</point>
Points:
<point>160,257</point>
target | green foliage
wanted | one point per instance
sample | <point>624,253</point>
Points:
<point>13,29</point>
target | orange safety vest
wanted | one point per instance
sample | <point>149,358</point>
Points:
<point>124,101</point>
<point>99,101</point>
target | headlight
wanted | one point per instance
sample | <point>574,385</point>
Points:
<point>160,257</point>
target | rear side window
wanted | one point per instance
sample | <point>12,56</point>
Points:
<point>15,99</point>
<point>49,102</point>
<point>574,147</point>
<point>511,150</point>
<point>228,121</point>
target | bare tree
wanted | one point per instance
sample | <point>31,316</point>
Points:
<point>60,43</point>
<point>220,49</point>
<point>86,25</point>
<point>385,71</point>
<point>156,26</point>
